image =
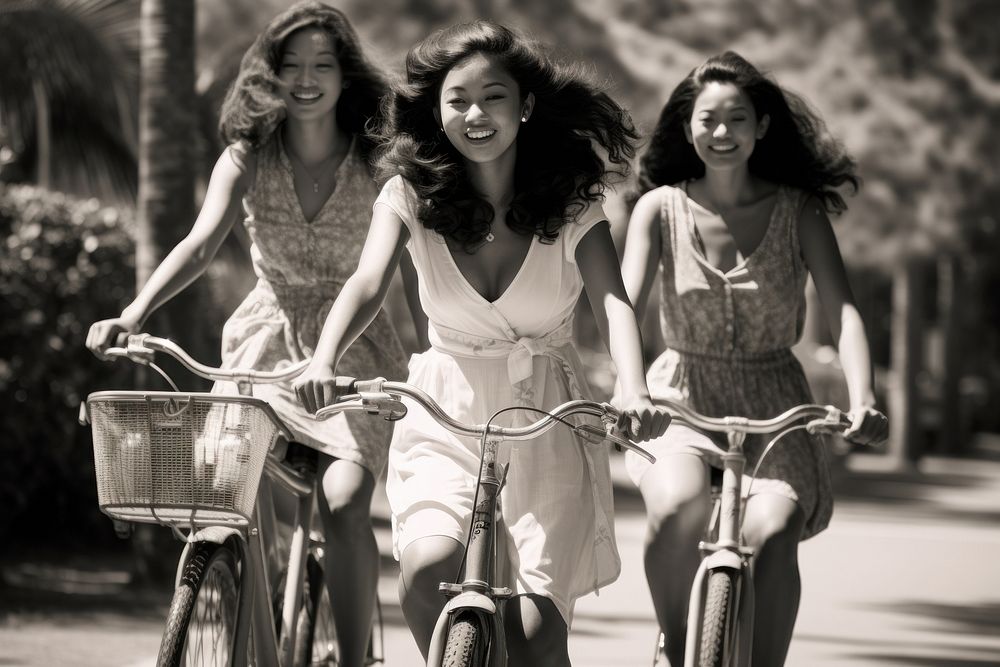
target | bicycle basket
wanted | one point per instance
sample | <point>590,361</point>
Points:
<point>180,459</point>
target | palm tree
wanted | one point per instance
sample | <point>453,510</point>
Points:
<point>68,95</point>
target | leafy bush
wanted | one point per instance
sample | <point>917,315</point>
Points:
<point>65,263</point>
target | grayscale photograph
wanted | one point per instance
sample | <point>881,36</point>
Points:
<point>499,333</point>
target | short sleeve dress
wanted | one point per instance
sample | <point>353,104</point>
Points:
<point>728,337</point>
<point>301,266</point>
<point>516,350</point>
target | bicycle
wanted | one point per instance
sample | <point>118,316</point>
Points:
<point>206,463</point>
<point>469,631</point>
<point>720,610</point>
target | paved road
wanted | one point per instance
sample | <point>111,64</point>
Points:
<point>907,574</point>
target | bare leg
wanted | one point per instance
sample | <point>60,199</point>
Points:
<point>773,526</point>
<point>536,632</point>
<point>345,505</point>
<point>423,565</point>
<point>675,490</point>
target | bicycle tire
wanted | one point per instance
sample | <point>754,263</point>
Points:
<point>316,635</point>
<point>716,619</point>
<point>204,605</point>
<point>467,642</point>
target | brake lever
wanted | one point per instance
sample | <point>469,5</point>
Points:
<point>834,422</point>
<point>384,405</point>
<point>597,435</point>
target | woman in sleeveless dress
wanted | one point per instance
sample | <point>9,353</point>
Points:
<point>495,189</point>
<point>297,167</point>
<point>736,187</point>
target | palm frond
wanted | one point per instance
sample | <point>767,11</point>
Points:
<point>68,94</point>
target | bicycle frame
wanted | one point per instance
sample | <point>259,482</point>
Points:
<point>254,608</point>
<point>726,552</point>
<point>476,593</point>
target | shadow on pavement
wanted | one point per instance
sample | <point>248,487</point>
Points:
<point>971,619</point>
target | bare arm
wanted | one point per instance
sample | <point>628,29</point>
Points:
<point>598,262</point>
<point>189,258</point>
<point>642,252</point>
<point>411,288</point>
<point>822,256</point>
<point>356,306</point>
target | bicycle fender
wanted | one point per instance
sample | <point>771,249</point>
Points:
<point>471,600</point>
<point>216,534</point>
<point>724,559</point>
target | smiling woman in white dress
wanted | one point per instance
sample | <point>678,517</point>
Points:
<point>495,188</point>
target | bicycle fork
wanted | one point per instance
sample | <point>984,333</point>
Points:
<point>476,594</point>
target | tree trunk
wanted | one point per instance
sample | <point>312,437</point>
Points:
<point>907,354</point>
<point>167,156</point>
<point>165,207</point>
<point>952,438</point>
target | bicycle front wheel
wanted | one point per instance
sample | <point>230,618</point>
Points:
<point>467,642</point>
<point>202,618</point>
<point>719,615</point>
<point>316,635</point>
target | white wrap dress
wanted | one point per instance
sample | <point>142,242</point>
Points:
<point>517,350</point>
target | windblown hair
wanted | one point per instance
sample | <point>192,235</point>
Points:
<point>558,168</point>
<point>797,150</point>
<point>253,108</point>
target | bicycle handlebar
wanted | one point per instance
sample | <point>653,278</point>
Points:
<point>140,348</point>
<point>381,397</point>
<point>826,419</point>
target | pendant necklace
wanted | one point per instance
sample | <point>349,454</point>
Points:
<point>315,181</point>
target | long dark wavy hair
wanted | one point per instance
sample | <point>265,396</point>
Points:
<point>797,150</point>
<point>253,109</point>
<point>558,168</point>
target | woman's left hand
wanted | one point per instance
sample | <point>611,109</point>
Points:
<point>868,427</point>
<point>648,421</point>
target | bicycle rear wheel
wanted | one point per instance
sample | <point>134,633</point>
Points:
<point>467,642</point>
<point>202,618</point>
<point>718,617</point>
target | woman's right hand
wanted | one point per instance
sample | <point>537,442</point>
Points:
<point>104,333</point>
<point>316,387</point>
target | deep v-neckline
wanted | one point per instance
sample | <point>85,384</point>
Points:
<point>699,244</point>
<point>468,285</point>
<point>287,164</point>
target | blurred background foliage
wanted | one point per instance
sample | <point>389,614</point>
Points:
<point>912,87</point>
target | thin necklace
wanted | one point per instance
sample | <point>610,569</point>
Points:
<point>315,180</point>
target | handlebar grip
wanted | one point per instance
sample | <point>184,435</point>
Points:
<point>345,384</point>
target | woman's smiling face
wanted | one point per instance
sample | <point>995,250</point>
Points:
<point>480,108</point>
<point>724,126</point>
<point>309,74</point>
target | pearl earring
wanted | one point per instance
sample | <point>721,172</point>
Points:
<point>524,119</point>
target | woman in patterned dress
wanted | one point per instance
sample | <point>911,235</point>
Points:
<point>736,187</point>
<point>495,189</point>
<point>297,166</point>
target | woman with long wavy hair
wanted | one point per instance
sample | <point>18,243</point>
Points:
<point>297,171</point>
<point>495,187</point>
<point>735,187</point>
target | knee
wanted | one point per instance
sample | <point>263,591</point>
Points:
<point>676,517</point>
<point>346,509</point>
<point>536,632</point>
<point>775,535</point>
<point>426,563</point>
